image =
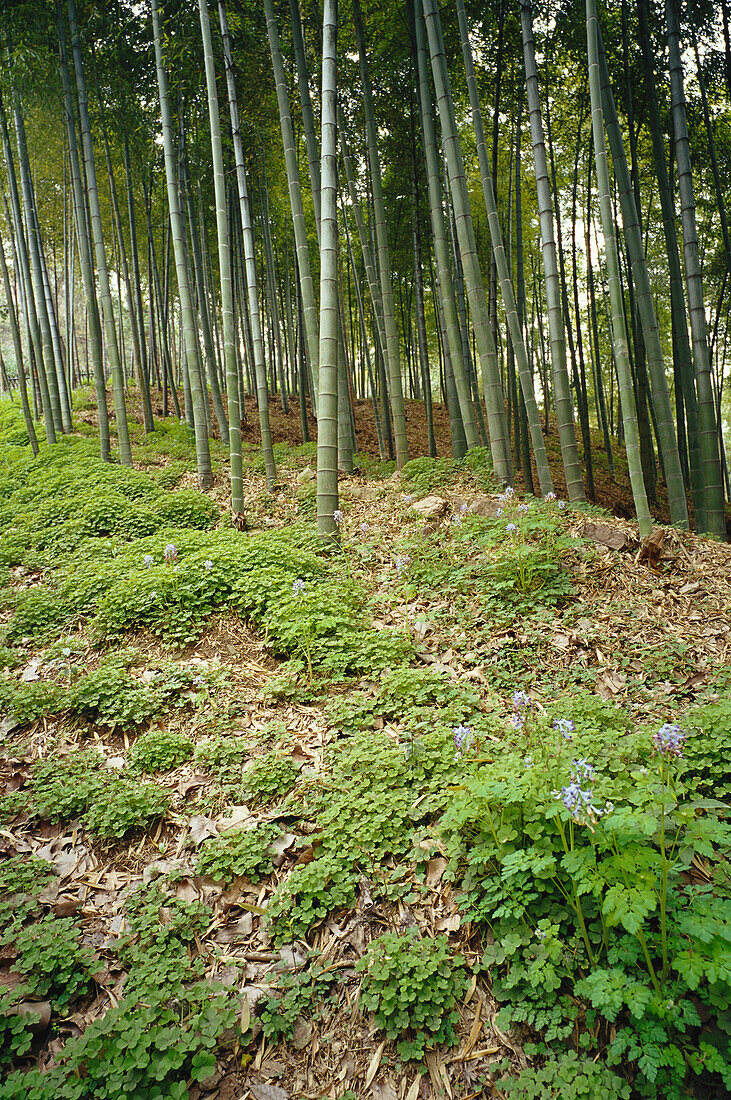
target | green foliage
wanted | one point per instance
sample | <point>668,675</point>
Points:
<point>111,802</point>
<point>26,702</point>
<point>311,891</point>
<point>223,756</point>
<point>159,750</point>
<point>294,995</point>
<point>418,697</point>
<point>22,879</point>
<point>63,786</point>
<point>412,986</point>
<point>238,853</point>
<point>270,776</point>
<point>125,805</point>
<point>108,696</point>
<point>12,804</point>
<point>581,879</point>
<point>479,461</point>
<point>422,476</point>
<point>9,658</point>
<point>706,752</point>
<point>16,1035</point>
<point>394,784</point>
<point>25,874</point>
<point>568,1077</point>
<point>52,960</point>
<point>162,1036</point>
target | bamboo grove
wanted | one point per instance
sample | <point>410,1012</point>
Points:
<point>515,209</point>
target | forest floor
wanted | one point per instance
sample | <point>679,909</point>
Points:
<point>213,773</point>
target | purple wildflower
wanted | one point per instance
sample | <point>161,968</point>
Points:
<point>668,740</point>
<point>147,561</point>
<point>463,739</point>
<point>521,700</point>
<point>208,564</point>
<point>337,517</point>
<point>561,504</point>
<point>550,496</point>
<point>402,563</point>
<point>523,509</point>
<point>170,553</point>
<point>298,588</point>
<point>565,727</point>
<point>581,769</point>
<point>511,527</point>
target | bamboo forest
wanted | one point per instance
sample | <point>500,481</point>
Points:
<point>365,549</point>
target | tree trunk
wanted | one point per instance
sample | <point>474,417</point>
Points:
<point>384,262</point>
<point>561,389</point>
<point>225,272</point>
<point>619,340</point>
<point>177,228</point>
<point>492,387</point>
<point>501,262</point>
<point>708,425</point>
<point>327,416</point>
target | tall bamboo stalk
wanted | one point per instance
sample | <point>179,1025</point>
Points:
<point>619,331</point>
<point>491,384</point>
<point>262,394</point>
<point>327,415</point>
<point>561,389</point>
<point>501,261</point>
<point>177,229</point>
<point>225,270</point>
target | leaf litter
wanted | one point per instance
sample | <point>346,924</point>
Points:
<point>631,600</point>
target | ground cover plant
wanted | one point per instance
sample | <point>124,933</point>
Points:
<point>410,789</point>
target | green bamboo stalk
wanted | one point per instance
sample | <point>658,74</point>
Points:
<point>619,331</point>
<point>708,423</point>
<point>262,394</point>
<point>225,271</point>
<point>501,262</point>
<point>561,389</point>
<point>177,229</point>
<point>490,368</point>
<point>664,425</point>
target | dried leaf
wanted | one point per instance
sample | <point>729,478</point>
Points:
<point>374,1063</point>
<point>384,1091</point>
<point>263,1091</point>
<point>301,1033</point>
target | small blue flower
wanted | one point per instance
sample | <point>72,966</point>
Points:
<point>299,588</point>
<point>208,564</point>
<point>148,561</point>
<point>402,563</point>
<point>668,740</point>
<point>565,727</point>
<point>337,517</point>
<point>499,512</point>
<point>170,553</point>
<point>521,701</point>
<point>550,496</point>
<point>561,504</point>
<point>463,738</point>
<point>523,508</point>
<point>511,527</point>
<point>581,769</point>
<point>364,528</point>
<point>408,498</point>
<point>528,761</point>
